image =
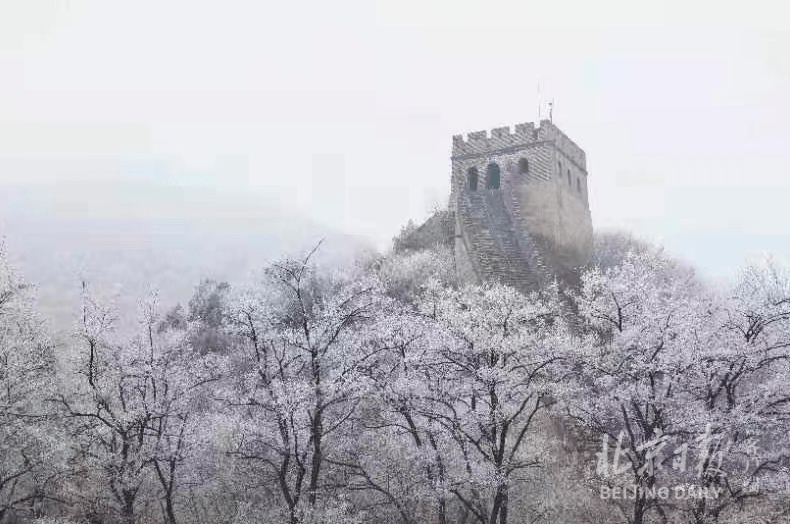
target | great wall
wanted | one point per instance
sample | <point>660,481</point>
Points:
<point>518,211</point>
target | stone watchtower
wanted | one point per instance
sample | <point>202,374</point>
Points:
<point>519,210</point>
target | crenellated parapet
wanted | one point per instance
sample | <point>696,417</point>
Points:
<point>504,140</point>
<point>498,138</point>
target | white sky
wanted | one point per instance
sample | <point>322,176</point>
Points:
<point>343,110</point>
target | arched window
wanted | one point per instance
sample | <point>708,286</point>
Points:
<point>559,167</point>
<point>578,185</point>
<point>492,176</point>
<point>471,175</point>
<point>523,166</point>
<point>569,179</point>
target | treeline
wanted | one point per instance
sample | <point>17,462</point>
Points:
<point>385,392</point>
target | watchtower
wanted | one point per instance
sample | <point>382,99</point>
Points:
<point>520,206</point>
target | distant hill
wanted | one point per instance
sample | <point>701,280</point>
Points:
<point>127,237</point>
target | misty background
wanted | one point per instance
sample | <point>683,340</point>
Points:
<point>151,144</point>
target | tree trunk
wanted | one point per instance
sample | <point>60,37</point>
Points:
<point>315,467</point>
<point>128,508</point>
<point>503,508</point>
<point>639,511</point>
<point>169,513</point>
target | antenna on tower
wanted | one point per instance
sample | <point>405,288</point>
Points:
<point>551,111</point>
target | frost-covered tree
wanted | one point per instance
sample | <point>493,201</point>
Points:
<point>685,382</point>
<point>310,339</point>
<point>407,276</point>
<point>635,369</point>
<point>208,312</point>
<point>130,407</point>
<point>398,461</point>
<point>610,248</point>
<point>384,392</point>
<point>744,385</point>
<point>494,375</point>
<point>27,449</point>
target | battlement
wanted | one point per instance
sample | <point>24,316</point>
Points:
<point>499,137</point>
<point>480,142</point>
<point>519,206</point>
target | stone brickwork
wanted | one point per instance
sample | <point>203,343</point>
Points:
<point>437,230</point>
<point>534,227</point>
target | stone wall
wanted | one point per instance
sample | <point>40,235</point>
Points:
<point>439,229</point>
<point>537,224</point>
